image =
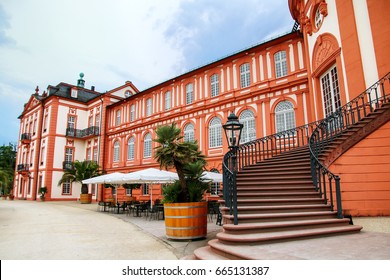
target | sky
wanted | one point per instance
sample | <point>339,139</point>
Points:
<point>46,42</point>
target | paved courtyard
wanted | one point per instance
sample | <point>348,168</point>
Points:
<point>74,231</point>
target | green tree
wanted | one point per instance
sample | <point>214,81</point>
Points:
<point>174,152</point>
<point>7,167</point>
<point>81,170</point>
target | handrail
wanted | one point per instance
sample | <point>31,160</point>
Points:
<point>316,135</point>
<point>333,126</point>
<point>255,151</point>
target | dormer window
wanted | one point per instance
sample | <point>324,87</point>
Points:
<point>73,93</point>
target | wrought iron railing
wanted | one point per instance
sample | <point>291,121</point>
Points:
<point>67,165</point>
<point>325,182</point>
<point>256,151</point>
<point>82,133</point>
<point>24,167</point>
<point>316,134</point>
<point>25,136</point>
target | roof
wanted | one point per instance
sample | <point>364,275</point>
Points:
<point>64,90</point>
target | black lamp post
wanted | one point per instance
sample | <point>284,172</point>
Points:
<point>233,129</point>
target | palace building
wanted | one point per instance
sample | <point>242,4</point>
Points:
<point>336,51</point>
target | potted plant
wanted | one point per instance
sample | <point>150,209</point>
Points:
<point>42,191</point>
<point>11,196</point>
<point>81,170</point>
<point>185,212</point>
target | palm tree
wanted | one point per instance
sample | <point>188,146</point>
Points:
<point>5,181</point>
<point>81,170</point>
<point>174,152</point>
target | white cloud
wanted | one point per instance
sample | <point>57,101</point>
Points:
<point>46,42</point>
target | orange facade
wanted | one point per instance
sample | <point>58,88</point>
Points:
<point>338,52</point>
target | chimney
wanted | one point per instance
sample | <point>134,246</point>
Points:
<point>93,88</point>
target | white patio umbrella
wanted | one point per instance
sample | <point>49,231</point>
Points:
<point>212,176</point>
<point>149,176</point>
<point>111,178</point>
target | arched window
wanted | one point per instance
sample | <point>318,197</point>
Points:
<point>116,151</point>
<point>215,133</point>
<point>284,116</point>
<point>247,118</point>
<point>189,132</point>
<point>130,149</point>
<point>148,146</point>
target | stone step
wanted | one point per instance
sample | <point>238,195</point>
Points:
<point>279,201</point>
<point>283,169</point>
<point>278,183</point>
<point>268,178</point>
<point>275,188</point>
<point>276,217</point>
<point>207,253</point>
<point>285,235</point>
<point>286,194</point>
<point>293,172</point>
<point>282,226</point>
<point>279,208</point>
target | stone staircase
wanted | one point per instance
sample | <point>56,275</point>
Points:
<point>276,202</point>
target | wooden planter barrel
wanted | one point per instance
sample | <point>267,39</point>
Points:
<point>86,198</point>
<point>185,220</point>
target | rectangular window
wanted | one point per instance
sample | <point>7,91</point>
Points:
<point>89,154</point>
<point>118,118</point>
<point>45,123</point>
<point>68,154</point>
<point>97,120</point>
<point>189,94</point>
<point>71,122</point>
<point>280,64</point>
<point>167,100</point>
<point>90,121</point>
<point>330,91</point>
<point>132,112</point>
<point>149,107</point>
<point>245,75</point>
<point>214,80</point>
<point>42,155</point>
<point>95,154</point>
<point>66,187</point>
<point>145,189</point>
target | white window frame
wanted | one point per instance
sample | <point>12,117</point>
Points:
<point>130,148</point>
<point>215,133</point>
<point>148,146</point>
<point>284,116</point>
<point>280,59</point>
<point>330,89</point>
<point>66,187</point>
<point>247,118</point>
<point>214,85</point>
<point>118,117</point>
<point>189,132</point>
<point>189,94</point>
<point>132,113</point>
<point>245,75</point>
<point>167,100</point>
<point>71,122</point>
<point>149,107</point>
<point>117,148</point>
